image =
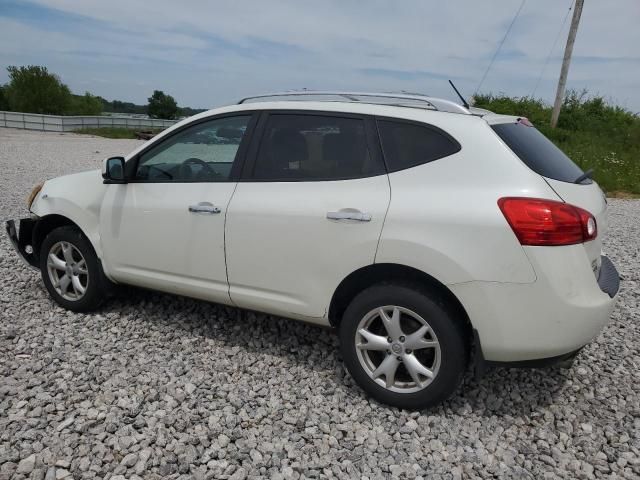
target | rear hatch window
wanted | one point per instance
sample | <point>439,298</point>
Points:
<point>538,152</point>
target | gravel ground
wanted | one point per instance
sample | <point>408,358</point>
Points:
<point>161,386</point>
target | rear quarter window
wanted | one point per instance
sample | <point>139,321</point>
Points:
<point>406,145</point>
<point>538,152</point>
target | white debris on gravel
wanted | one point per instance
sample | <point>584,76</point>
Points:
<point>158,386</point>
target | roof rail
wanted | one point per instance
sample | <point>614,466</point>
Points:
<point>412,100</point>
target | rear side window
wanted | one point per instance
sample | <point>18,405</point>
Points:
<point>538,152</point>
<point>406,145</point>
<point>314,147</point>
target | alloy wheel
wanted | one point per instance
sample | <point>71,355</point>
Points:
<point>67,270</point>
<point>398,349</point>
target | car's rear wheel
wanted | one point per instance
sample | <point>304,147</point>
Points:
<point>71,271</point>
<point>403,345</point>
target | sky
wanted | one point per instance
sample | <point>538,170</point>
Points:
<point>212,53</point>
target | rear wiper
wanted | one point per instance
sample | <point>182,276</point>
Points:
<point>584,176</point>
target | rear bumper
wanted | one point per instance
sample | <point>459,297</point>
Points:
<point>22,240</point>
<point>537,323</point>
<point>481,365</point>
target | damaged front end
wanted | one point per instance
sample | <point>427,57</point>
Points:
<point>22,239</point>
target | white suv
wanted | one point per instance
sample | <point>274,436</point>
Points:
<point>430,235</point>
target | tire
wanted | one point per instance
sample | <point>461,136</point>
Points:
<point>88,274</point>
<point>439,346</point>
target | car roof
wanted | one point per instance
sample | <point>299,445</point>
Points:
<point>400,99</point>
<point>361,108</point>
<point>394,111</point>
<point>351,102</point>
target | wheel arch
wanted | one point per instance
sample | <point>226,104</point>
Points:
<point>46,225</point>
<point>375,273</point>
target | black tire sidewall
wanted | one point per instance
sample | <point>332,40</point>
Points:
<point>93,295</point>
<point>446,327</point>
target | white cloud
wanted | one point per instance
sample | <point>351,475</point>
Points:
<point>208,53</point>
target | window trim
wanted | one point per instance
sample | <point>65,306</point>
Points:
<point>131,166</point>
<point>371,134</point>
<point>416,123</point>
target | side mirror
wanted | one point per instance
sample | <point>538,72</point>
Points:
<point>113,170</point>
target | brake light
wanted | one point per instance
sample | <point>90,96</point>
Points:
<point>537,221</point>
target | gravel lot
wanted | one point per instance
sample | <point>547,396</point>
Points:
<point>161,386</point>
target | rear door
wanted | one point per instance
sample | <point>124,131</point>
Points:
<point>559,171</point>
<point>308,211</point>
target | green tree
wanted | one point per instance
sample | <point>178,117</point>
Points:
<point>33,89</point>
<point>86,104</point>
<point>4,105</point>
<point>162,106</point>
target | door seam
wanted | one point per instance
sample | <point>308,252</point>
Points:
<point>386,212</point>
<point>224,242</point>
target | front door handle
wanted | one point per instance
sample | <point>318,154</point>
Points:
<point>349,215</point>
<point>204,207</point>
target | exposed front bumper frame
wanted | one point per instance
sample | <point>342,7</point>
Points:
<point>22,240</point>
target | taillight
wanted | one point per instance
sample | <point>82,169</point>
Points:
<point>537,221</point>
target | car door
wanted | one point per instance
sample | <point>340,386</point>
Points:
<point>308,211</point>
<point>164,229</point>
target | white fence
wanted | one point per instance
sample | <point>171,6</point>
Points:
<point>59,123</point>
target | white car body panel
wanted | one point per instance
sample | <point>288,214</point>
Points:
<point>283,256</point>
<point>559,313</point>
<point>591,198</point>
<point>78,197</point>
<point>444,217</point>
<point>152,240</point>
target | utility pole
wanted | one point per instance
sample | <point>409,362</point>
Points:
<point>565,62</point>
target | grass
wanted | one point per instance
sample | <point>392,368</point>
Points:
<point>593,132</point>
<point>114,132</point>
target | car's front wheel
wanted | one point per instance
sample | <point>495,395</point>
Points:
<point>403,345</point>
<point>71,271</point>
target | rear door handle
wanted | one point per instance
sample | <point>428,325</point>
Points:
<point>349,215</point>
<point>204,207</point>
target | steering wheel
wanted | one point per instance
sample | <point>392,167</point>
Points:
<point>186,172</point>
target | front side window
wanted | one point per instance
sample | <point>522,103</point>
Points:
<point>314,147</point>
<point>406,145</point>
<point>202,153</point>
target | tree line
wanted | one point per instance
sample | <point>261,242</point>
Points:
<point>33,89</point>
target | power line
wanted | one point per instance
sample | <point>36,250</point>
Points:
<point>553,47</point>
<point>506,34</point>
